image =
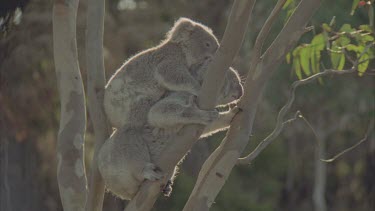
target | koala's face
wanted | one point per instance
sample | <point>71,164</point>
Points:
<point>232,89</point>
<point>201,45</point>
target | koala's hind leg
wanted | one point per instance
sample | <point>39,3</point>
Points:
<point>124,161</point>
<point>179,108</point>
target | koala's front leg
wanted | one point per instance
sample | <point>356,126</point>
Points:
<point>221,123</point>
<point>175,77</point>
<point>179,109</point>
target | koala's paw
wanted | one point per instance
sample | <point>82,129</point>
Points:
<point>235,110</point>
<point>152,172</point>
<point>232,105</point>
<point>167,189</point>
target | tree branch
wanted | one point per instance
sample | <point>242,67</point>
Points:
<point>95,94</point>
<point>230,45</point>
<point>218,166</point>
<point>262,36</point>
<point>71,174</point>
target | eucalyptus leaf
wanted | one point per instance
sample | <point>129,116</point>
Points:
<point>305,60</point>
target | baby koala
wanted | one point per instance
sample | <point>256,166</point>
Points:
<point>150,75</point>
<point>177,109</point>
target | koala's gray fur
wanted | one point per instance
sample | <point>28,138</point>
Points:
<point>151,98</point>
<point>177,109</point>
<point>127,158</point>
<point>148,76</point>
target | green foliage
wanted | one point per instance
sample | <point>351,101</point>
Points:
<point>342,46</point>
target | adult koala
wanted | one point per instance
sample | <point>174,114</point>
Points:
<point>156,91</point>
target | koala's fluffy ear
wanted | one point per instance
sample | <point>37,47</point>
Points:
<point>181,30</point>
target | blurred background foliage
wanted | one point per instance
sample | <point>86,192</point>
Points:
<point>339,108</point>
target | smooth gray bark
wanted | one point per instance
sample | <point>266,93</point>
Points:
<point>95,94</point>
<point>71,173</point>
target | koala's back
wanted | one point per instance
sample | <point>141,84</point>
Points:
<point>132,89</point>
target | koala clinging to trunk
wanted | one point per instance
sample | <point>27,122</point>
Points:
<point>177,109</point>
<point>148,76</point>
<point>157,89</point>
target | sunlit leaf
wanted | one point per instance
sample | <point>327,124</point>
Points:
<point>317,45</point>
<point>315,60</point>
<point>366,28</point>
<point>343,40</point>
<point>352,47</point>
<point>367,38</point>
<point>342,62</point>
<point>318,42</point>
<point>346,28</point>
<point>363,64</point>
<point>305,60</point>
<point>297,67</point>
<point>335,55</point>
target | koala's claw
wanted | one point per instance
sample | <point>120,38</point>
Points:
<point>152,172</point>
<point>167,190</point>
<point>232,105</point>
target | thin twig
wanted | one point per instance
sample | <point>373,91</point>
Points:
<point>280,118</point>
<point>279,122</point>
<point>369,129</point>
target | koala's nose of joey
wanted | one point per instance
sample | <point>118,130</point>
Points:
<point>208,58</point>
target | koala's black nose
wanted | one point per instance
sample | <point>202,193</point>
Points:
<point>208,58</point>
